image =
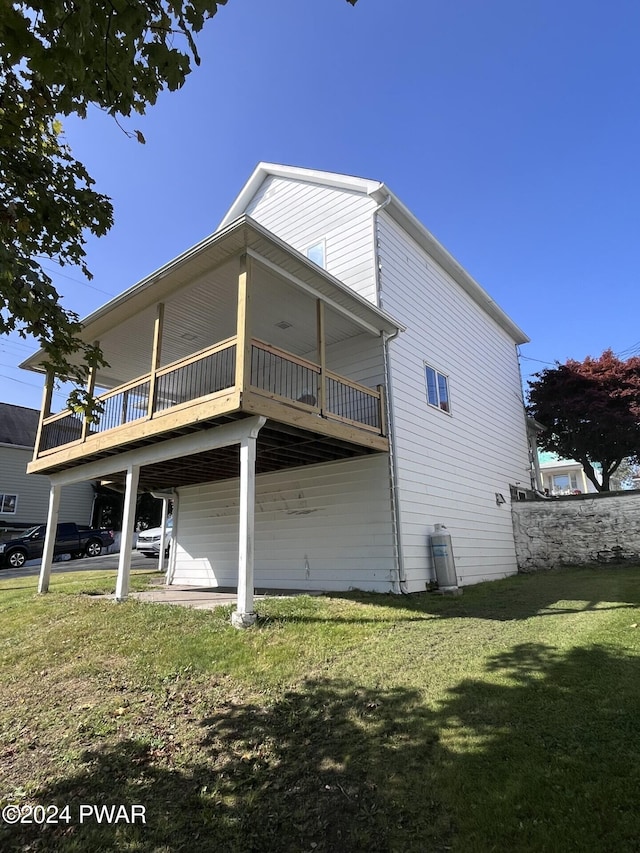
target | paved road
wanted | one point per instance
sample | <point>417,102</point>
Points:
<point>102,563</point>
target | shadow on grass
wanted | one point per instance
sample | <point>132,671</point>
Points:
<point>551,593</point>
<point>540,754</point>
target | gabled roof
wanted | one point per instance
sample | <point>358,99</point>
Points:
<point>18,425</point>
<point>380,193</point>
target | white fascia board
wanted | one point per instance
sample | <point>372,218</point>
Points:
<point>424,238</point>
<point>294,173</point>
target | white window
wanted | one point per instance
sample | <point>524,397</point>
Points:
<point>316,253</point>
<point>437,389</point>
<point>564,484</point>
<point>8,504</point>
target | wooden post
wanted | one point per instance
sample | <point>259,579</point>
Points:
<point>243,331</point>
<point>45,409</point>
<point>125,406</point>
<point>126,537</point>
<point>383,409</point>
<point>244,616</point>
<point>49,539</point>
<point>91,387</point>
<point>155,356</point>
<point>322,357</point>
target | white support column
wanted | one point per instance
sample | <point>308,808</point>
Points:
<point>173,550</point>
<point>126,540</point>
<point>163,534</point>
<point>50,538</point>
<point>244,616</point>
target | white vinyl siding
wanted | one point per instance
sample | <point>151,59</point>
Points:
<point>358,358</point>
<point>307,214</point>
<point>76,502</point>
<point>317,527</point>
<point>449,468</point>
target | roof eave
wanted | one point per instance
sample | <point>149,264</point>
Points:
<point>385,322</point>
<point>314,176</point>
<point>412,225</point>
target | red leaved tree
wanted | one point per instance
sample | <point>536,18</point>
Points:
<point>591,411</point>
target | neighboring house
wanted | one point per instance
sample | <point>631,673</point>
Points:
<point>315,385</point>
<point>563,476</point>
<point>24,499</point>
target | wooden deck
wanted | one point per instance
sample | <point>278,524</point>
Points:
<point>313,414</point>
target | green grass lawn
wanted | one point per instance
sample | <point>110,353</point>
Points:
<point>503,720</point>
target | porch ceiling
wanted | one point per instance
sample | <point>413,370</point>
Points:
<point>199,291</point>
<point>204,313</point>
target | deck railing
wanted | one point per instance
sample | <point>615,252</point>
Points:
<point>288,377</point>
<point>283,375</point>
<point>274,373</point>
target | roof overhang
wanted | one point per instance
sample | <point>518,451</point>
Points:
<point>244,235</point>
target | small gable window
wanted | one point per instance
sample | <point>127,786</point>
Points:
<point>316,253</point>
<point>437,389</point>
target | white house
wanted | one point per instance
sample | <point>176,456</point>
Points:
<point>564,476</point>
<point>316,385</point>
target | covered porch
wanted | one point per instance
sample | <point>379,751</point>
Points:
<point>239,358</point>
<point>241,325</point>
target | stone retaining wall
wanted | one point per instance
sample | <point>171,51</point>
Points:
<point>577,530</point>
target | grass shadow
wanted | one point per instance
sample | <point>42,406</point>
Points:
<point>542,753</point>
<point>550,593</point>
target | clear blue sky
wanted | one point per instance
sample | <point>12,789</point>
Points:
<point>510,129</point>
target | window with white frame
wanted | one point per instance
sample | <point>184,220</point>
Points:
<point>437,389</point>
<point>8,504</point>
<point>316,253</point>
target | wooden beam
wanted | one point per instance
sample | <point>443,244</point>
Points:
<point>114,440</point>
<point>91,387</point>
<point>160,451</point>
<point>322,357</point>
<point>45,409</point>
<point>383,409</point>
<point>156,355</point>
<point>257,404</point>
<point>243,328</point>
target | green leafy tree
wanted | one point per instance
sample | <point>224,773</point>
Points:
<point>58,57</point>
<point>591,411</point>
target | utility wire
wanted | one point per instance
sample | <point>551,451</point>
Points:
<point>77,280</point>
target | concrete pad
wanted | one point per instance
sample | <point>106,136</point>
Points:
<point>206,598</point>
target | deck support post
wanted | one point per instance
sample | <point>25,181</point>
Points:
<point>244,616</point>
<point>126,539</point>
<point>45,410</point>
<point>91,387</point>
<point>322,357</point>
<point>158,328</point>
<point>243,326</point>
<point>50,538</point>
<point>163,534</point>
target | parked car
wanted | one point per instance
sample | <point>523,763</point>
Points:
<point>71,539</point>
<point>149,540</point>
